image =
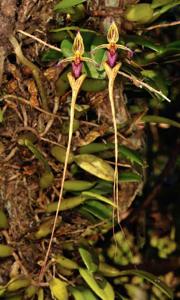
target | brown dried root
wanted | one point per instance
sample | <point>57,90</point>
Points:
<point>34,69</point>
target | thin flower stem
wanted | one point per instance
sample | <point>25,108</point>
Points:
<point>112,73</point>
<point>75,86</point>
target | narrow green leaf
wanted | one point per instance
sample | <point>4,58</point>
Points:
<point>109,291</point>
<point>88,295</point>
<point>77,294</point>
<point>131,155</point>
<point>82,293</point>
<point>78,185</point>
<point>89,279</point>
<point>129,177</point>
<point>159,119</point>
<point>88,259</point>
<point>91,195</point>
<point>151,278</point>
<point>98,210</point>
<point>173,46</point>
<point>36,152</point>
<point>95,147</point>
<point>144,42</point>
<point>158,3</point>
<point>163,9</point>
<point>66,204</point>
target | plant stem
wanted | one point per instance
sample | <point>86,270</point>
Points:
<point>34,69</point>
<point>75,86</point>
<point>112,73</point>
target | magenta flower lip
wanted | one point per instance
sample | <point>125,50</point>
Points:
<point>77,69</point>
<point>112,58</point>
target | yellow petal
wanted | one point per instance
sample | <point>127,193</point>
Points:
<point>78,46</point>
<point>113,34</point>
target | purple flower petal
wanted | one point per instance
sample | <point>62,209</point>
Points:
<point>112,58</point>
<point>77,69</point>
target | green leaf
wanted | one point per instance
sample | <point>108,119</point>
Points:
<point>173,46</point>
<point>129,177</point>
<point>46,180</point>
<point>82,293</point>
<point>88,295</point>
<point>99,55</point>
<point>66,204</point>
<point>2,290</point>
<point>91,69</point>
<point>89,279</point>
<point>77,294</point>
<point>66,48</point>
<point>58,289</point>
<point>144,42</point>
<point>163,9</point>
<point>102,187</point>
<point>98,210</point>
<point>91,195</point>
<point>141,13</point>
<point>131,155</point>
<point>64,4</point>
<point>151,278</point>
<point>26,142</point>
<point>156,79</point>
<point>109,291</point>
<point>78,185</point>
<point>88,260</point>
<point>95,166</point>
<point>51,55</point>
<point>108,270</point>
<point>159,119</point>
<point>94,85</point>
<point>158,3</point>
<point>95,147</point>
<point>128,153</point>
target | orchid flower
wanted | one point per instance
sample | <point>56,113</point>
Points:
<point>75,79</point>
<point>77,59</point>
<point>111,68</point>
<point>112,46</point>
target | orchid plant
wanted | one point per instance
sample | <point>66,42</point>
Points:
<point>76,79</point>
